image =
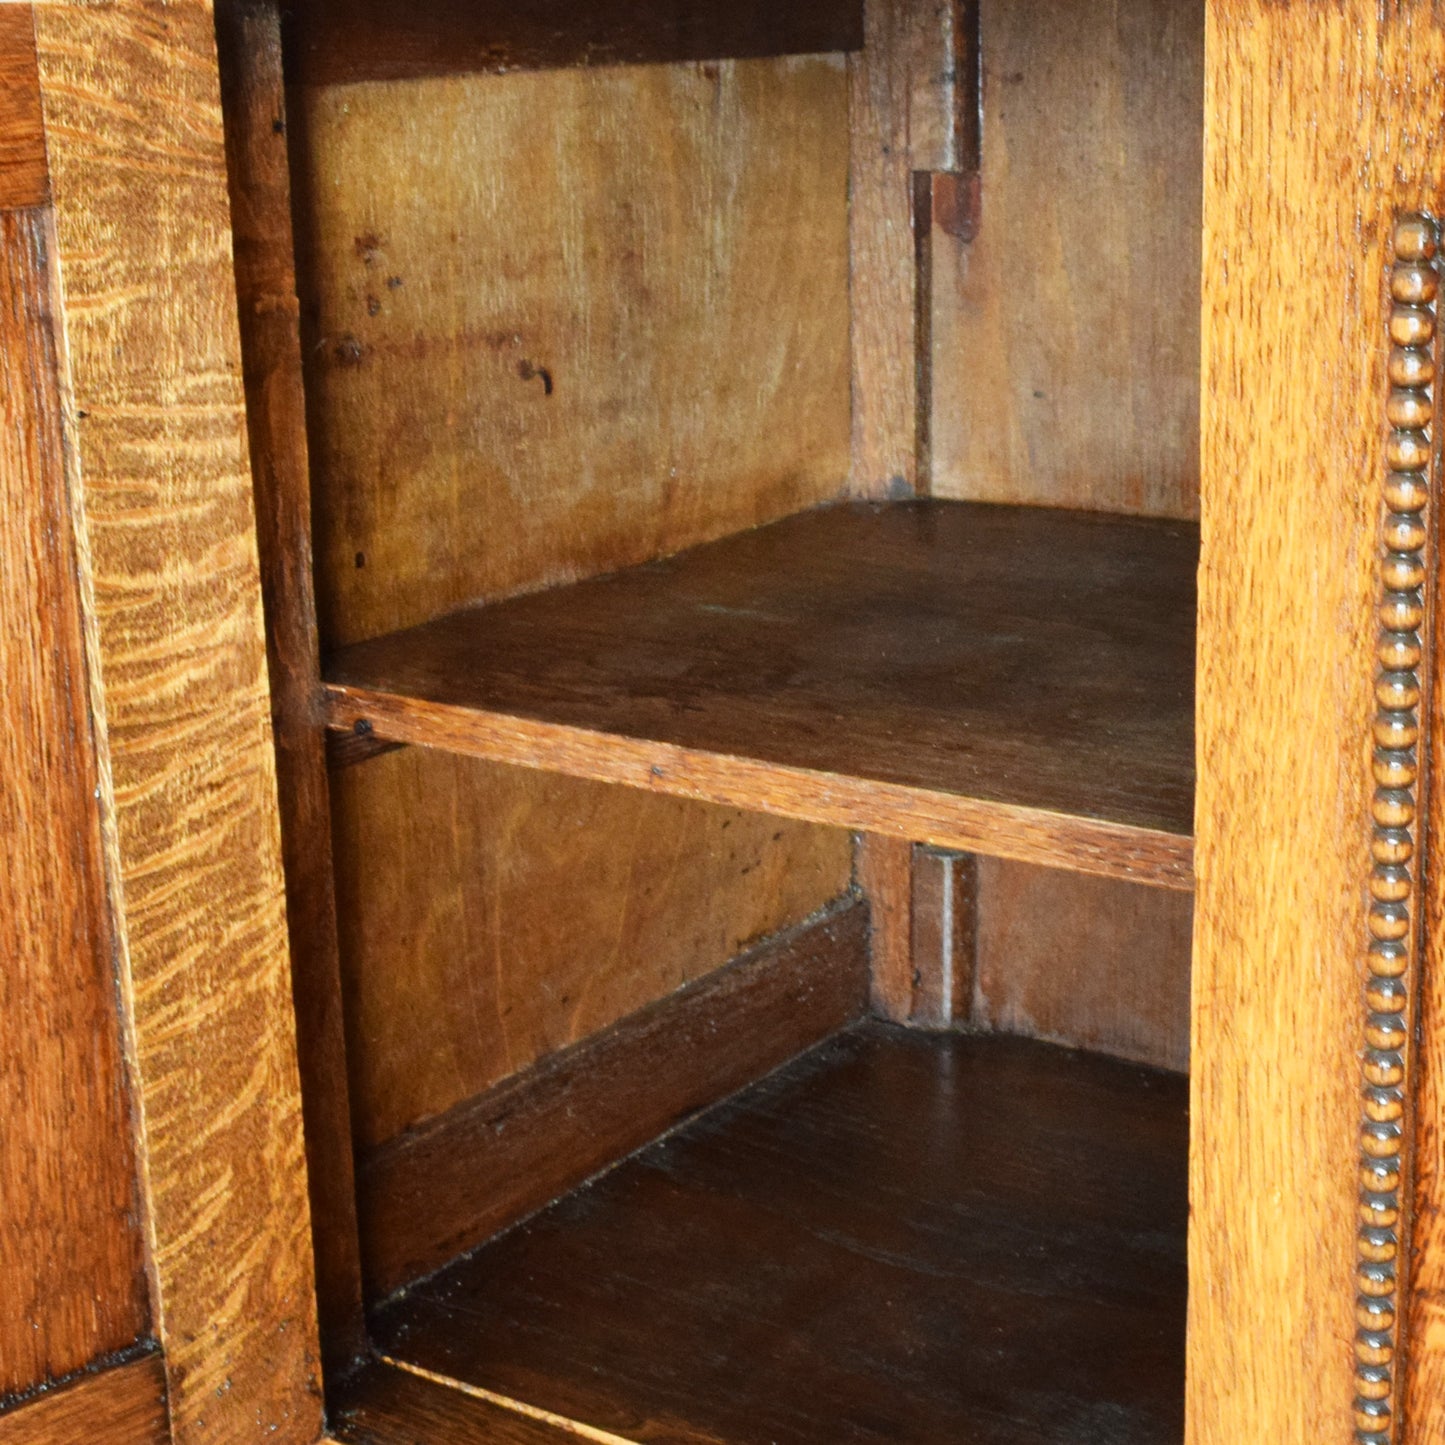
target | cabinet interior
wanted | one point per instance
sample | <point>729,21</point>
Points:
<point>761,876</point>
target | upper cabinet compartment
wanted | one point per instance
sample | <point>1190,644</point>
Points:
<point>559,323</point>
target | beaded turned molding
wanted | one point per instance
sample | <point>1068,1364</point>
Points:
<point>1394,876</point>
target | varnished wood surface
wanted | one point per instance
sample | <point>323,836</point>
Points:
<point>560,323</point>
<point>913,669</point>
<point>388,1406</point>
<point>547,1129</point>
<point>491,916</point>
<point>248,36</point>
<point>138,170</point>
<point>72,1254</point>
<point>901,1236</point>
<point>114,1404</point>
<point>336,42</point>
<point>1064,353</point>
<point>1293,462</point>
<point>883,871</point>
<point>1092,962</point>
<point>943,936</point>
<point>24,172</point>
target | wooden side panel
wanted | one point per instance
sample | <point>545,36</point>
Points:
<point>559,323</point>
<point>491,915</point>
<point>1065,341</point>
<point>24,173</point>
<point>248,34</point>
<point>1092,962</point>
<point>944,937</point>
<point>883,867</point>
<point>1323,122</point>
<point>71,1233</point>
<point>116,1405</point>
<point>428,1196</point>
<point>137,160</point>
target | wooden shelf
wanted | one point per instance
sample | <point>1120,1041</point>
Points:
<point>898,1237</point>
<point>1011,681</point>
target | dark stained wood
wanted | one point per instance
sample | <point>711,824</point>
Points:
<point>384,1405</point>
<point>444,1188</point>
<point>339,41</point>
<point>1091,962</point>
<point>903,1236</point>
<point>944,937</point>
<point>120,1403</point>
<point>992,679</point>
<point>72,1256</point>
<point>253,98</point>
<point>24,172</point>
<point>883,872</point>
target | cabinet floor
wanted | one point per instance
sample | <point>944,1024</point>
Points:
<point>898,1237</point>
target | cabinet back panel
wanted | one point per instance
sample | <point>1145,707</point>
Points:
<point>491,915</point>
<point>1065,336</point>
<point>563,322</point>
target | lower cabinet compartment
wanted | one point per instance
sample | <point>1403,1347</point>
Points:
<point>899,1236</point>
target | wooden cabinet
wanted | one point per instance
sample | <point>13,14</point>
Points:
<point>760,686</point>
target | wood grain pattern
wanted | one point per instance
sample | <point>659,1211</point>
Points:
<point>1090,962</point>
<point>122,1404</point>
<point>138,168</point>
<point>1064,326</point>
<point>385,1405</point>
<point>561,323</point>
<point>72,1251</point>
<point>1293,452</point>
<point>429,1195</point>
<point>336,42</point>
<point>248,34</point>
<point>1046,720</point>
<point>902,1236</point>
<point>24,171</point>
<point>883,869</point>
<point>491,916</point>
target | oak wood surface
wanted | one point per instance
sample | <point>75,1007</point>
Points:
<point>138,171</point>
<point>883,870</point>
<point>72,1252</point>
<point>24,172</point>
<point>491,916</point>
<point>1091,962</point>
<point>430,1194</point>
<point>943,936</point>
<point>901,1236</point>
<point>253,98</point>
<point>560,323</point>
<point>905,670</point>
<point>1064,320</point>
<point>335,42</point>
<point>385,1405</point>
<point>113,1404</point>
<point>1294,430</point>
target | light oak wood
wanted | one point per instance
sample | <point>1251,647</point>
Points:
<point>336,42</point>
<point>616,328</point>
<point>1294,460</point>
<point>1064,340</point>
<point>138,170</point>
<point>885,669</point>
<point>491,916</point>
<point>113,1404</point>
<point>24,170</point>
<point>432,1194</point>
<point>1090,962</point>
<point>72,1248</point>
<point>254,101</point>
